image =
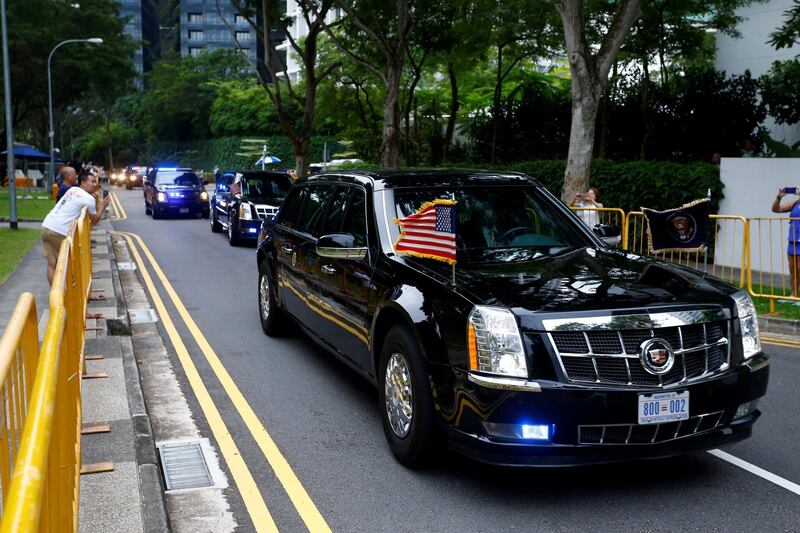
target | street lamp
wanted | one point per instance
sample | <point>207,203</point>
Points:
<point>51,133</point>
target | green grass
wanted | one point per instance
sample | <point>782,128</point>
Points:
<point>783,309</point>
<point>14,244</point>
<point>32,204</point>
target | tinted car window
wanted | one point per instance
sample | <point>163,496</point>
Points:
<point>176,177</point>
<point>499,224</point>
<point>336,209</point>
<point>265,186</point>
<point>355,221</point>
<point>313,209</point>
<point>290,208</point>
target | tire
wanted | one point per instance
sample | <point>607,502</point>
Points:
<point>156,212</point>
<point>205,214</point>
<point>128,187</point>
<point>233,237</point>
<point>216,227</point>
<point>147,210</point>
<point>408,419</point>
<point>273,319</point>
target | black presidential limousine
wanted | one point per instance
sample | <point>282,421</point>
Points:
<point>543,346</point>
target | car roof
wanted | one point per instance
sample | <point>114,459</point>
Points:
<point>389,179</point>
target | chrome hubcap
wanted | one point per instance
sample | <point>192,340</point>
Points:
<point>263,296</point>
<point>230,229</point>
<point>397,391</point>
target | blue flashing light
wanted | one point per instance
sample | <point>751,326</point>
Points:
<point>535,431</point>
<point>168,169</point>
<point>252,230</point>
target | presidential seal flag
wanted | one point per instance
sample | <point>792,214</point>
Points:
<point>683,229</point>
<point>430,232</point>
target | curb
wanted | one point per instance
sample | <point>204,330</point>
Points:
<point>780,326</point>
<point>6,219</point>
<point>151,488</point>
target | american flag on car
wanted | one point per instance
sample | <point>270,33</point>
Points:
<point>236,188</point>
<point>430,232</point>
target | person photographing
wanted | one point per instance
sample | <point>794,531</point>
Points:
<point>779,205</point>
<point>57,222</point>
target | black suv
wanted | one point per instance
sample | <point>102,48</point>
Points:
<point>257,195</point>
<point>543,346</point>
<point>174,191</point>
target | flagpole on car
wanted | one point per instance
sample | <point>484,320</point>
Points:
<point>453,197</point>
<point>705,258</point>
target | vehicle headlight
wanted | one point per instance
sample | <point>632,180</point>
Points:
<point>132,178</point>
<point>245,212</point>
<point>748,322</point>
<point>494,342</point>
<point>161,197</point>
<point>204,195</point>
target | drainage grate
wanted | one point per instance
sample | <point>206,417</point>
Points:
<point>186,467</point>
<point>126,265</point>
<point>142,316</point>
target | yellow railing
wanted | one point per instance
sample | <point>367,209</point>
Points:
<point>44,488</point>
<point>771,275</point>
<point>727,255</point>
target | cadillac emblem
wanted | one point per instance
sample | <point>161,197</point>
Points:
<point>657,356</point>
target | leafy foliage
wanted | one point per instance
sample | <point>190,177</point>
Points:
<point>789,33</point>
<point>242,108</point>
<point>779,91</point>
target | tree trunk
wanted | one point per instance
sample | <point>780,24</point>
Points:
<point>454,105</point>
<point>645,107</point>
<point>390,146</point>
<point>581,144</point>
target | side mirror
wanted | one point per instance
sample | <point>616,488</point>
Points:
<point>612,235</point>
<point>340,246</point>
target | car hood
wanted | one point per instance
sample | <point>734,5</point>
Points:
<point>583,280</point>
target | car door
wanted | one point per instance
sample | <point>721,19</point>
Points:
<point>342,287</point>
<point>223,198</point>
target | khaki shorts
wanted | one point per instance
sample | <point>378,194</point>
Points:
<point>52,244</point>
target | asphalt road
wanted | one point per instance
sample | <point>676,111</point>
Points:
<point>325,421</point>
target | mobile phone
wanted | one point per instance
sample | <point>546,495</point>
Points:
<point>105,193</point>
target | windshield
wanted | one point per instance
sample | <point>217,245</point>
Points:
<point>499,224</point>
<point>273,186</point>
<point>176,177</point>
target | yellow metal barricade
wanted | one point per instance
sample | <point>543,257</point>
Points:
<point>613,216</point>
<point>728,249</point>
<point>771,275</point>
<point>44,487</point>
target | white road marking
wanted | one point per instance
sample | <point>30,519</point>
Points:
<point>760,472</point>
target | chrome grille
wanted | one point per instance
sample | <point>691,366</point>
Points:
<point>266,212</point>
<point>612,357</point>
<point>648,434</point>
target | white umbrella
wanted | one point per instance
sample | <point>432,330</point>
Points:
<point>268,160</point>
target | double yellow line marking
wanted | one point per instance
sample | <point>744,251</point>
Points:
<point>119,211</point>
<point>252,497</point>
<point>784,343</point>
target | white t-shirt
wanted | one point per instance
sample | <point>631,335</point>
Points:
<point>68,209</point>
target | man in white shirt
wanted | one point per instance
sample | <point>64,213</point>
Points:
<point>57,222</point>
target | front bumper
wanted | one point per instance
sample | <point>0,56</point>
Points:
<point>248,229</point>
<point>178,207</point>
<point>569,408</point>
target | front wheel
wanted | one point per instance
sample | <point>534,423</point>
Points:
<point>216,227</point>
<point>233,234</point>
<point>147,209</point>
<point>273,318</point>
<point>156,211</point>
<point>405,400</point>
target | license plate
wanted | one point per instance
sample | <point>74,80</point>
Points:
<point>184,210</point>
<point>663,407</point>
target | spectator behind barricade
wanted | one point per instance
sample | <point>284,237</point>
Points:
<point>589,202</point>
<point>69,178</point>
<point>793,248</point>
<point>217,174</point>
<point>57,222</point>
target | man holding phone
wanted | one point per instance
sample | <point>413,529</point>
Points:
<point>57,222</point>
<point>793,249</point>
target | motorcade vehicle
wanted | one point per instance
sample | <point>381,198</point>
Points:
<point>256,196</point>
<point>117,176</point>
<point>134,176</point>
<point>177,191</point>
<point>542,345</point>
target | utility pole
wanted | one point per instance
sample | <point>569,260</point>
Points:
<point>12,185</point>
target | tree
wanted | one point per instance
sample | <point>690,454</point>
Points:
<point>589,77</point>
<point>789,33</point>
<point>242,108</point>
<point>779,91</point>
<point>264,16</point>
<point>387,26</point>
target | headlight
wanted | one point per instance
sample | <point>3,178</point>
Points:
<point>132,178</point>
<point>494,342</point>
<point>245,212</point>
<point>204,195</point>
<point>161,197</point>
<point>748,321</point>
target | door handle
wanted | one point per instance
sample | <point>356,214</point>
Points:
<point>287,250</point>
<point>327,269</point>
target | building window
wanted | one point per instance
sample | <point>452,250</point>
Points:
<point>196,17</point>
<point>242,36</point>
<point>238,19</point>
<point>195,51</point>
<point>195,35</point>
